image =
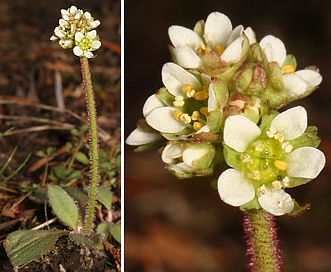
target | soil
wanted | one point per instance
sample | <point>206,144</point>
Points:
<point>32,120</point>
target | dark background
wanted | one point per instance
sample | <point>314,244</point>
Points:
<point>174,225</point>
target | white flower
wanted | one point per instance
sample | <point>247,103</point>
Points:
<point>218,36</point>
<point>185,159</point>
<point>85,44</point>
<point>296,83</point>
<point>187,92</point>
<point>269,161</point>
<point>140,137</point>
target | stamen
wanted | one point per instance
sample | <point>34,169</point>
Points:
<point>219,49</point>
<point>280,137</point>
<point>271,132</point>
<point>179,101</point>
<point>246,158</point>
<point>286,181</point>
<point>200,96</point>
<point>281,165</point>
<point>177,114</point>
<point>259,147</point>
<point>195,116</point>
<point>197,126</point>
<point>288,69</point>
<point>277,184</point>
<point>185,118</point>
<point>287,147</point>
<point>187,88</point>
<point>256,175</point>
<point>262,190</point>
<point>204,111</point>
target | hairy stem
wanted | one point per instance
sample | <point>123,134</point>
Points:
<point>94,152</point>
<point>262,245</point>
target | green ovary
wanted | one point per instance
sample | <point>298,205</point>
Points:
<point>259,161</point>
<point>85,44</point>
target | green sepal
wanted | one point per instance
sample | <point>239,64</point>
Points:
<point>251,205</point>
<point>290,60</point>
<point>215,121</point>
<point>232,157</point>
<point>308,138</point>
<point>63,206</point>
<point>295,182</point>
<point>204,161</point>
<point>221,92</point>
<point>24,246</point>
<point>199,28</point>
<point>165,97</point>
<point>299,210</point>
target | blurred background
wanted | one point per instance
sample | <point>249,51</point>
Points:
<point>182,225</point>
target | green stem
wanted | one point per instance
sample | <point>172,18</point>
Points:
<point>262,245</point>
<point>94,152</point>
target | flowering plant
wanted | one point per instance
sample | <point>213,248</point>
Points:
<point>220,105</point>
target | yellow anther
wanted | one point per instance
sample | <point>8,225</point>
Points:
<point>271,132</point>
<point>219,49</point>
<point>195,116</point>
<point>204,111</point>
<point>279,137</point>
<point>288,69</point>
<point>281,165</point>
<point>177,114</point>
<point>200,96</point>
<point>197,126</point>
<point>187,88</point>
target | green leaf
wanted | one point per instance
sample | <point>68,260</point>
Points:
<point>63,206</point>
<point>105,197</point>
<point>115,231</point>
<point>23,246</point>
<point>94,240</point>
<point>82,158</point>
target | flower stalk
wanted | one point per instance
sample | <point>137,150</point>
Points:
<point>262,245</point>
<point>94,152</point>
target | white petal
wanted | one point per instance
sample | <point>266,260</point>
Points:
<point>186,57</point>
<point>305,162</point>
<point>193,154</point>
<point>79,36</point>
<point>181,168</point>
<point>239,131</point>
<point>92,34</point>
<point>250,35</point>
<point>274,49</point>
<point>73,10</point>
<point>218,28</point>
<point>182,36</point>
<point>291,123</point>
<point>171,152</point>
<point>276,202</point>
<point>95,45</point>
<point>151,104</point>
<point>294,84</point>
<point>313,78</point>
<point>88,54</point>
<point>175,77</point>
<point>236,33</point>
<point>78,51</point>
<point>87,15</point>
<point>163,120</point>
<point>234,189</point>
<point>139,137</point>
<point>233,52</point>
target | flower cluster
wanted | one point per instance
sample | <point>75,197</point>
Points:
<point>220,103</point>
<point>76,30</point>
